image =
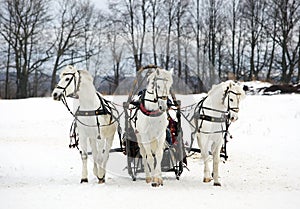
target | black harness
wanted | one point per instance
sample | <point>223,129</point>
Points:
<point>105,108</point>
<point>140,104</point>
<point>76,87</point>
<point>200,116</point>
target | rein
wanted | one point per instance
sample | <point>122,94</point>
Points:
<point>99,111</point>
<point>204,117</point>
<point>106,108</point>
<point>76,87</point>
<point>199,114</point>
<point>227,93</point>
<point>141,106</point>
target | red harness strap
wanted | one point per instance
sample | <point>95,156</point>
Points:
<point>150,113</point>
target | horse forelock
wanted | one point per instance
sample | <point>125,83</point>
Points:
<point>68,69</point>
<point>237,88</point>
<point>221,90</point>
<point>160,73</point>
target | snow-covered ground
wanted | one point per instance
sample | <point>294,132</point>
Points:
<point>38,170</point>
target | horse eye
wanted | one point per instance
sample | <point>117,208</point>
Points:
<point>158,87</point>
<point>67,79</point>
<point>231,100</point>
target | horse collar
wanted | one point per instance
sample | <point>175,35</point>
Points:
<point>154,113</point>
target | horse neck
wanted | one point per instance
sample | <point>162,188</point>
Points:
<point>88,99</point>
<point>214,101</point>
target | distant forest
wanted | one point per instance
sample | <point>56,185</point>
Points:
<point>205,41</point>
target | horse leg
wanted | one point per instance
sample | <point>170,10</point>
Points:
<point>84,157</point>
<point>144,158</point>
<point>84,175</point>
<point>203,144</point>
<point>207,176</point>
<point>145,163</point>
<point>100,155</point>
<point>94,152</point>
<point>216,148</point>
<point>149,161</point>
<point>105,156</point>
<point>157,180</point>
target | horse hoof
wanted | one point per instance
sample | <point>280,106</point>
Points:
<point>101,180</point>
<point>217,184</point>
<point>85,180</point>
<point>206,180</point>
<point>160,181</point>
<point>155,184</point>
<point>148,180</point>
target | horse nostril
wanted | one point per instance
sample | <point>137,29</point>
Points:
<point>55,95</point>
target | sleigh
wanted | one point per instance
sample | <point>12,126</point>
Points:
<point>174,157</point>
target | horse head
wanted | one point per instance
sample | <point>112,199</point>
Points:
<point>233,93</point>
<point>68,83</point>
<point>160,82</point>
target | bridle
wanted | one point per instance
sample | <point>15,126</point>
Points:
<point>76,86</point>
<point>199,117</point>
<point>200,114</point>
<point>229,99</point>
<point>105,108</point>
<point>155,91</point>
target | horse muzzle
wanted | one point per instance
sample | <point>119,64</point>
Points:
<point>233,117</point>
<point>162,105</point>
<point>56,96</point>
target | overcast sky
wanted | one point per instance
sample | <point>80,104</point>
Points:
<point>100,3</point>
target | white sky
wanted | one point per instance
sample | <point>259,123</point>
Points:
<point>102,4</point>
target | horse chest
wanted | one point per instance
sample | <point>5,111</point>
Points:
<point>151,125</point>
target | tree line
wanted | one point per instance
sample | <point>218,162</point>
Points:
<point>208,40</point>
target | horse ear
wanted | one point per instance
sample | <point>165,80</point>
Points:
<point>171,71</point>
<point>157,71</point>
<point>245,88</point>
<point>231,84</point>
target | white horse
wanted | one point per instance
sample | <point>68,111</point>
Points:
<point>221,106</point>
<point>94,118</point>
<point>151,123</point>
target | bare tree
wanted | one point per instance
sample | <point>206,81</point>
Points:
<point>133,16</point>
<point>170,11</point>
<point>156,29</point>
<point>70,29</point>
<point>22,24</point>
<point>212,21</point>
<point>289,20</point>
<point>116,46</point>
<point>180,21</point>
<point>233,27</point>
